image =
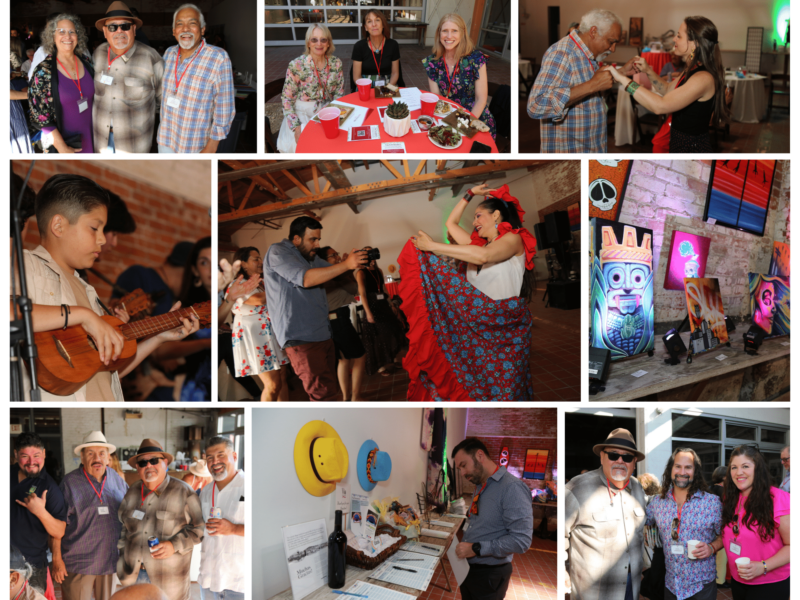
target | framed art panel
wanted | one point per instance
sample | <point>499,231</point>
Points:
<point>779,263</point>
<point>706,314</point>
<point>688,254</point>
<point>738,194</point>
<point>608,180</point>
<point>769,304</point>
<point>535,464</point>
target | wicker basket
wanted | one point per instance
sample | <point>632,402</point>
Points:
<point>360,560</point>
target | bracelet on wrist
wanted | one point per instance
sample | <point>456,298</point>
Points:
<point>469,195</point>
<point>632,87</point>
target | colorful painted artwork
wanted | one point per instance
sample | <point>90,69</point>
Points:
<point>769,303</point>
<point>608,179</point>
<point>622,317</point>
<point>535,464</point>
<point>706,314</point>
<point>688,254</point>
<point>574,212</point>
<point>779,265</point>
<point>738,194</point>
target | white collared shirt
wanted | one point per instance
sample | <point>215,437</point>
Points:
<point>222,557</point>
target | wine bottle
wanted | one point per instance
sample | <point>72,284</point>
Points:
<point>337,549</point>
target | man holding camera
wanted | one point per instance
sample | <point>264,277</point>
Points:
<point>293,279</point>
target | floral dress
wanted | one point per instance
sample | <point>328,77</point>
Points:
<point>255,347</point>
<point>305,93</point>
<point>463,83</point>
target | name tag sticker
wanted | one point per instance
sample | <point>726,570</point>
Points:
<point>380,82</point>
<point>676,549</point>
<point>106,79</point>
<point>736,548</point>
<point>380,296</point>
<point>173,102</point>
<point>138,515</point>
<point>83,104</point>
<point>102,510</point>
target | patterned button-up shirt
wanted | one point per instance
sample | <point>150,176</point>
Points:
<point>701,519</point>
<point>205,95</point>
<point>604,539</point>
<point>89,545</point>
<point>305,83</point>
<point>582,126</point>
<point>172,513</point>
<point>130,102</point>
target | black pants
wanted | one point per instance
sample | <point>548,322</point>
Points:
<point>709,592</point>
<point>766,591</point>
<point>486,582</point>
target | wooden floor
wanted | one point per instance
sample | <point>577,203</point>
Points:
<point>770,136</point>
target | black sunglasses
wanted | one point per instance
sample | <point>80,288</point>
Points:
<point>615,456</point>
<point>124,26</point>
<point>675,524</point>
<point>143,463</point>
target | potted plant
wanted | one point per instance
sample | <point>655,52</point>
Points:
<point>397,120</point>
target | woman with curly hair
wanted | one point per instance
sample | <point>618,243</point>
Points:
<point>755,519</point>
<point>470,337</point>
<point>61,91</point>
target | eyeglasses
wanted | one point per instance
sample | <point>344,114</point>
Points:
<point>736,527</point>
<point>69,32</point>
<point>615,456</point>
<point>785,460</point>
<point>318,40</point>
<point>676,527</point>
<point>124,26</point>
<point>143,463</point>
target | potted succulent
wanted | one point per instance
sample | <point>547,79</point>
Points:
<point>397,119</point>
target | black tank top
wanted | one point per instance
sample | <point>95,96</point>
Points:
<point>695,118</point>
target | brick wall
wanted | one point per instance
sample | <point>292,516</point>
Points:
<point>162,219</point>
<point>518,429</point>
<point>668,195</point>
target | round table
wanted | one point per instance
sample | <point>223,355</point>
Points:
<point>393,288</point>
<point>313,138</point>
<point>749,98</point>
<point>657,60</point>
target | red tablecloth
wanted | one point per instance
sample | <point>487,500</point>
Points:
<point>313,138</point>
<point>657,60</point>
<point>392,288</point>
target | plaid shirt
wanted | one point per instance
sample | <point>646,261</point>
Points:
<point>582,126</point>
<point>130,102</point>
<point>206,108</point>
<point>89,545</point>
<point>172,513</point>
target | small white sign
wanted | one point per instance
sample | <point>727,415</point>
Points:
<point>711,221</point>
<point>593,371</point>
<point>722,357</point>
<point>782,344</point>
<point>639,373</point>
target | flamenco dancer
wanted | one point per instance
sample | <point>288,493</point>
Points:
<point>255,349</point>
<point>470,335</point>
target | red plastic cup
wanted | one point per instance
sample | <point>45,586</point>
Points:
<point>329,117</point>
<point>428,102</point>
<point>364,87</point>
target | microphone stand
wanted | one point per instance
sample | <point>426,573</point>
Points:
<point>23,346</point>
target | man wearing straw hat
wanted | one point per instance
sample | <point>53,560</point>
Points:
<point>158,506</point>
<point>85,559</point>
<point>128,79</point>
<point>604,514</point>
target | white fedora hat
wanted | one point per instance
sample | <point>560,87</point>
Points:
<point>95,438</point>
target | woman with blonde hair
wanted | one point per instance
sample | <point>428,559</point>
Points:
<point>313,81</point>
<point>456,70</point>
<point>61,91</point>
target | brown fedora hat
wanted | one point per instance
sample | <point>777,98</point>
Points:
<point>621,439</point>
<point>118,10</point>
<point>149,446</point>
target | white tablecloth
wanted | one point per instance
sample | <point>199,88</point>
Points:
<point>749,98</point>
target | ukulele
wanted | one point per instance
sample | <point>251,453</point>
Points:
<point>137,304</point>
<point>68,358</point>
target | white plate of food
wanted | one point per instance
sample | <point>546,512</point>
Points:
<point>443,108</point>
<point>445,137</point>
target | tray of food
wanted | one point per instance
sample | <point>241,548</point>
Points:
<point>445,137</point>
<point>465,123</point>
<point>443,108</point>
<point>387,91</point>
<point>346,112</point>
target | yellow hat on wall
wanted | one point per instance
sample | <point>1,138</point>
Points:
<point>320,458</point>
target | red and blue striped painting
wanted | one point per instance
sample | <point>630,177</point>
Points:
<point>738,193</point>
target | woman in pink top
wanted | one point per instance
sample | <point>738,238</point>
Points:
<point>755,518</point>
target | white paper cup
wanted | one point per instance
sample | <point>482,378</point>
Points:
<point>692,546</point>
<point>742,560</point>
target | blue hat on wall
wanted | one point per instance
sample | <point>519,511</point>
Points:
<point>372,465</point>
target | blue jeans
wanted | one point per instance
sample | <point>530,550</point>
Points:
<point>206,594</point>
<point>165,150</point>
<point>629,588</point>
<point>143,577</point>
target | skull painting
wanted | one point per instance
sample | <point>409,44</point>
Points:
<point>609,162</point>
<point>603,194</point>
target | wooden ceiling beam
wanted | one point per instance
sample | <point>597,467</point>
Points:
<point>263,169</point>
<point>392,170</point>
<point>420,167</point>
<point>334,173</point>
<point>247,194</point>
<point>297,182</point>
<point>316,178</point>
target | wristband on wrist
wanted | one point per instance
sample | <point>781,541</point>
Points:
<point>65,312</point>
<point>632,87</point>
<point>469,195</point>
<point>763,562</point>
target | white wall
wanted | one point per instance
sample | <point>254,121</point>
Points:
<point>732,19</point>
<point>439,8</point>
<point>242,34</point>
<point>286,502</point>
<point>164,426</point>
<point>388,223</point>
<point>655,430</point>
